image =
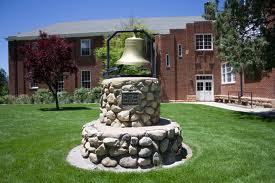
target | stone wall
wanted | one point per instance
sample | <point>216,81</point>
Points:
<point>118,114</point>
<point>132,147</point>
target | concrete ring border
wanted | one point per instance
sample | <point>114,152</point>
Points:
<point>75,159</point>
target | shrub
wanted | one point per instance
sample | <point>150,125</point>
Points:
<point>42,96</point>
<point>2,100</point>
<point>8,99</point>
<point>24,99</point>
<point>82,95</point>
<point>65,97</point>
<point>96,93</point>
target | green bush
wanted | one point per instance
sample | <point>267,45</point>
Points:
<point>2,100</point>
<point>24,99</point>
<point>8,99</point>
<point>43,96</point>
<point>65,97</point>
<point>96,93</point>
<point>82,95</point>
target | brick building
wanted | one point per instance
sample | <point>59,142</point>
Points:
<point>187,63</point>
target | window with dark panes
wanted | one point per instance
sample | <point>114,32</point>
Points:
<point>167,60</point>
<point>33,84</point>
<point>204,42</point>
<point>199,86</point>
<point>228,76</point>
<point>85,47</point>
<point>86,79</point>
<point>60,86</point>
<point>179,50</point>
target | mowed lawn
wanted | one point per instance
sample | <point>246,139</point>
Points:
<point>227,146</point>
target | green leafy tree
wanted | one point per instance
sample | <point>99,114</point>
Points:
<point>211,9</point>
<point>242,37</point>
<point>117,47</point>
<point>3,82</point>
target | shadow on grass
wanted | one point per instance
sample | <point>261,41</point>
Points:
<point>268,116</point>
<point>66,109</point>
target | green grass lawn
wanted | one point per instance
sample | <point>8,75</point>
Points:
<point>227,146</point>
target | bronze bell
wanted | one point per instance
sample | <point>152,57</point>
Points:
<point>133,53</point>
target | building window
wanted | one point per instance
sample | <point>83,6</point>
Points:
<point>228,76</point>
<point>60,86</point>
<point>85,47</point>
<point>167,60</point>
<point>33,84</point>
<point>204,42</point>
<point>179,50</point>
<point>86,79</point>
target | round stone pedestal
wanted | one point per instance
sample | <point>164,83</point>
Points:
<point>130,101</point>
<point>132,147</point>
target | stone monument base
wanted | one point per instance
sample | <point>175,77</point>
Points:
<point>132,148</point>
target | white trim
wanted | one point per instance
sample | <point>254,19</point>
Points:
<point>85,81</point>
<point>89,40</point>
<point>233,75</point>
<point>203,42</point>
<point>169,60</point>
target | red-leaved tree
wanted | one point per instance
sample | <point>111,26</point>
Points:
<point>47,60</point>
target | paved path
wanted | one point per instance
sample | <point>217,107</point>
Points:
<point>269,112</point>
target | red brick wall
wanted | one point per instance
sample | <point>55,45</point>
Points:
<point>179,80</point>
<point>264,88</point>
<point>19,85</point>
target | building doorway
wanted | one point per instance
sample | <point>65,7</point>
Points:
<point>204,88</point>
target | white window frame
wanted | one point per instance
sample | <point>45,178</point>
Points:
<point>89,40</point>
<point>180,50</point>
<point>167,60</point>
<point>203,42</point>
<point>60,83</point>
<point>81,82</point>
<point>224,74</point>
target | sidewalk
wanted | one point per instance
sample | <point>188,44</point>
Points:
<point>268,112</point>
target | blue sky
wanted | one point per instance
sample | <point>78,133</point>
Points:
<point>26,15</point>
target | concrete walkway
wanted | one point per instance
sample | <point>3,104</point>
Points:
<point>268,112</point>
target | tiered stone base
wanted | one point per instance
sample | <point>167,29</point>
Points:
<point>129,147</point>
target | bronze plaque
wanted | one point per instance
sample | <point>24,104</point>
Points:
<point>130,98</point>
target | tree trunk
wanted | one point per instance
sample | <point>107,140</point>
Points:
<point>241,80</point>
<point>56,101</point>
